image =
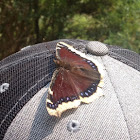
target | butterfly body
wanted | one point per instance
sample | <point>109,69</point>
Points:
<point>76,79</point>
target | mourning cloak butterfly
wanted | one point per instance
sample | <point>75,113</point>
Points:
<point>77,79</point>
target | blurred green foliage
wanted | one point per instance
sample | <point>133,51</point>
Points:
<point>32,21</point>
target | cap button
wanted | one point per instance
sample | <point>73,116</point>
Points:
<point>97,48</point>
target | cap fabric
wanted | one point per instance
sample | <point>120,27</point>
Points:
<point>111,117</point>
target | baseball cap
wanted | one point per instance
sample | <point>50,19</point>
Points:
<point>24,82</point>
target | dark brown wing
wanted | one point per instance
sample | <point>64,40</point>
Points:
<point>61,94</point>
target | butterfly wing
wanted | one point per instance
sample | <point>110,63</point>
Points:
<point>80,63</point>
<point>61,94</point>
<point>82,81</point>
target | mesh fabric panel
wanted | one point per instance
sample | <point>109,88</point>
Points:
<point>126,56</point>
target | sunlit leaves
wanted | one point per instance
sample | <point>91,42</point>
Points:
<point>32,21</point>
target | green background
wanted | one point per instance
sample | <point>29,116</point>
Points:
<point>26,22</point>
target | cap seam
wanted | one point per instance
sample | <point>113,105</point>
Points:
<point>21,99</point>
<point>24,59</point>
<point>117,99</point>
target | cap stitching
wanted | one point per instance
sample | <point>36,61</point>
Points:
<point>118,101</point>
<point>21,98</point>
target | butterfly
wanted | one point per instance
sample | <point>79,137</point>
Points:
<point>78,78</point>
